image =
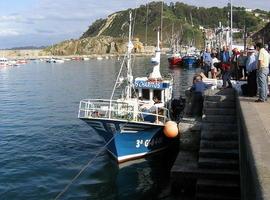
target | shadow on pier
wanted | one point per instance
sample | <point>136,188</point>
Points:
<point>226,155</point>
<point>209,167</point>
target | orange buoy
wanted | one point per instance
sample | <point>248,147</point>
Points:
<point>170,129</point>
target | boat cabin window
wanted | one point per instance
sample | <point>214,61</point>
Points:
<point>145,94</point>
<point>157,93</point>
<point>135,93</point>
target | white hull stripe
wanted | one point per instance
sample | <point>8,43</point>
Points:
<point>132,156</point>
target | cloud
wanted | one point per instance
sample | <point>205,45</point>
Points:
<point>43,31</point>
<point>8,32</point>
<point>10,18</point>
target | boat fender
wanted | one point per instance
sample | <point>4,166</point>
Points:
<point>170,129</point>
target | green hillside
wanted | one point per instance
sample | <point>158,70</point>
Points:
<point>178,14</point>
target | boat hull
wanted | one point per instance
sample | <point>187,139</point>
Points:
<point>173,61</point>
<point>189,61</point>
<point>130,140</point>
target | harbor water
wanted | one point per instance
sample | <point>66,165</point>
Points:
<point>43,144</point>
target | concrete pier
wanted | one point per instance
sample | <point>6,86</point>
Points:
<point>213,171</point>
<point>232,160</point>
<point>254,129</point>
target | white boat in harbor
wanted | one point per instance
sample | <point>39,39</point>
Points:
<point>3,62</point>
<point>99,58</point>
<point>132,126</point>
<point>55,60</point>
<point>85,58</point>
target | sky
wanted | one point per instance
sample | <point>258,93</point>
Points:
<point>46,22</point>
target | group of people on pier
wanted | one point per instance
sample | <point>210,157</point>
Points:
<point>251,64</point>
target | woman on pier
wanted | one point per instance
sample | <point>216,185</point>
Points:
<point>251,67</point>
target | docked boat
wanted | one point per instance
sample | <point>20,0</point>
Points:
<point>55,60</point>
<point>175,59</point>
<point>191,57</point>
<point>132,126</point>
<point>21,62</point>
<point>3,62</point>
<point>190,60</point>
<point>76,58</point>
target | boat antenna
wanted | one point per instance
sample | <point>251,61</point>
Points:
<point>161,20</point>
<point>172,40</point>
<point>146,23</point>
<point>155,75</point>
<point>129,71</point>
<point>231,35</point>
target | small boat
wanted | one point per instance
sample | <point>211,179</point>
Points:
<point>14,63</point>
<point>190,60</point>
<point>21,62</point>
<point>85,58</point>
<point>132,126</point>
<point>99,58</point>
<point>175,60</point>
<point>3,62</point>
<point>76,58</point>
<point>55,60</point>
<point>174,57</point>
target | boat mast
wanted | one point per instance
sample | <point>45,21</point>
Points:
<point>173,41</point>
<point>231,44</point>
<point>129,77</point>
<point>146,23</point>
<point>155,75</point>
<point>161,20</point>
<point>129,71</point>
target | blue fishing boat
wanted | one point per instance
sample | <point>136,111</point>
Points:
<point>190,60</point>
<point>132,126</point>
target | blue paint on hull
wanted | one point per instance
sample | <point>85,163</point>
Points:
<point>189,61</point>
<point>130,140</point>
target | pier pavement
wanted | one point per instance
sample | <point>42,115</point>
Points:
<point>254,128</point>
<point>252,122</point>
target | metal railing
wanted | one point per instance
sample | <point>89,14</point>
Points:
<point>121,110</point>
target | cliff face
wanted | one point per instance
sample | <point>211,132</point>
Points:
<point>89,45</point>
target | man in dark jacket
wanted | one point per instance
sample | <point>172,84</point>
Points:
<point>225,66</point>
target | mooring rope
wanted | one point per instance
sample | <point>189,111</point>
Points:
<point>82,170</point>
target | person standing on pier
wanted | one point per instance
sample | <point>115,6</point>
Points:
<point>262,72</point>
<point>242,61</point>
<point>234,64</point>
<point>207,61</point>
<point>251,67</point>
<point>215,62</point>
<point>225,67</point>
<point>197,96</point>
